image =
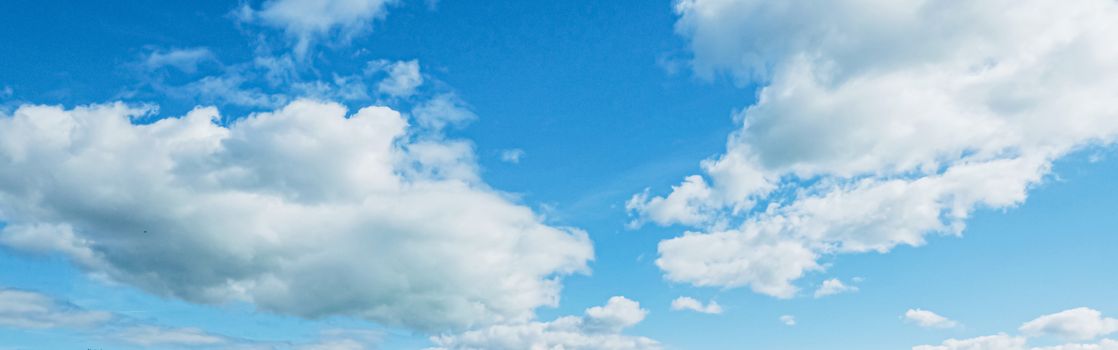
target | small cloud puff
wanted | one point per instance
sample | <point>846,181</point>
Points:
<point>788,320</point>
<point>688,303</point>
<point>928,319</point>
<point>834,286</point>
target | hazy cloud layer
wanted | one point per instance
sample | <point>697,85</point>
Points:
<point>30,310</point>
<point>599,329</point>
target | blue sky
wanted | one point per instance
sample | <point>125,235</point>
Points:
<point>696,174</point>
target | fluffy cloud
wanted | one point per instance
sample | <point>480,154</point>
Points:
<point>834,286</point>
<point>308,20</point>
<point>688,303</point>
<point>1076,324</point>
<point>304,211</point>
<point>879,123</point>
<point>599,329</point>
<point>30,310</point>
<point>928,319</point>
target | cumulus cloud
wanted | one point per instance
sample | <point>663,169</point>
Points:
<point>30,310</point>
<point>305,211</point>
<point>928,319</point>
<point>689,303</point>
<point>1075,324</point>
<point>879,123</point>
<point>834,286</point>
<point>306,21</point>
<point>599,329</point>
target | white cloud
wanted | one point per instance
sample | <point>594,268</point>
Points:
<point>266,82</point>
<point>340,344</point>
<point>834,286</point>
<point>855,148</point>
<point>304,211</point>
<point>599,329</point>
<point>1002,341</point>
<point>231,88</point>
<point>928,319</point>
<point>158,336</point>
<point>441,111</point>
<point>618,313</point>
<point>30,310</point>
<point>688,303</point>
<point>788,320</point>
<point>512,155</point>
<point>186,60</point>
<point>990,342</point>
<point>345,339</point>
<point>1105,344</point>
<point>403,78</point>
<point>1075,324</point>
<point>685,205</point>
<point>307,21</point>
<point>720,259</point>
<point>48,238</point>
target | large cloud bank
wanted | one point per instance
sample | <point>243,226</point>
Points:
<point>304,211</point>
<point>879,122</point>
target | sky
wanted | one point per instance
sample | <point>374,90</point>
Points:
<point>443,174</point>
